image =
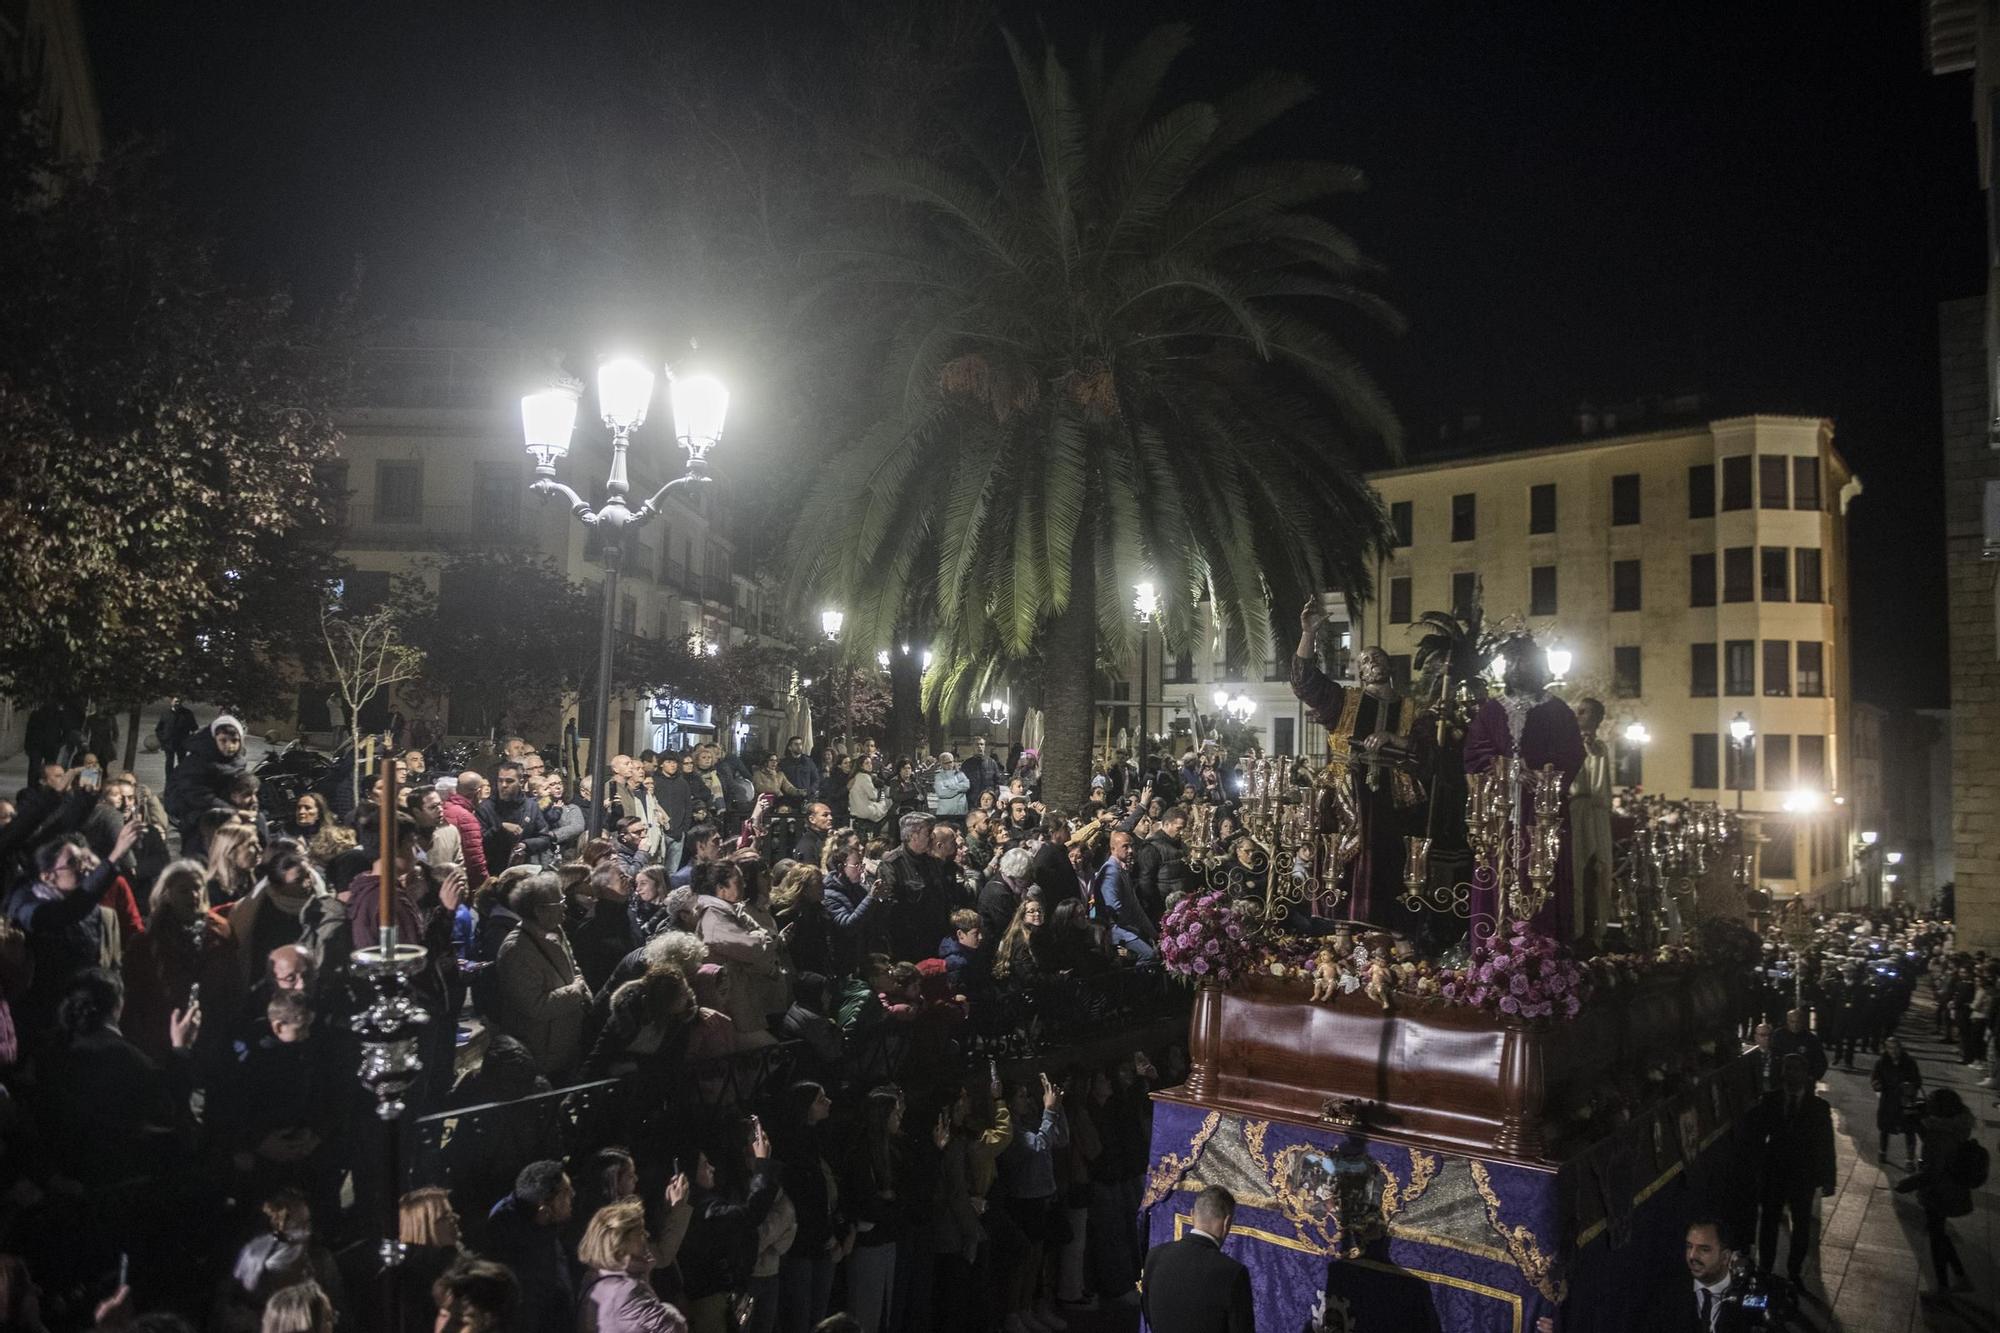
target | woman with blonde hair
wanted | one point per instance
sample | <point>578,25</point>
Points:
<point>186,941</point>
<point>427,1225</point>
<point>619,1255</point>
<point>301,1308</point>
<point>232,862</point>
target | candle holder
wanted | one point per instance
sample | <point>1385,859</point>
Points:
<point>390,1025</point>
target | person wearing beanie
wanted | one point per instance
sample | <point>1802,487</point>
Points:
<point>201,782</point>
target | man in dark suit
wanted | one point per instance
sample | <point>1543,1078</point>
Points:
<point>1798,1036</point>
<point>1190,1285</point>
<point>1707,1301</point>
<point>1795,1133</point>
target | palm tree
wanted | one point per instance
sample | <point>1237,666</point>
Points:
<point>1450,642</point>
<point>1110,353</point>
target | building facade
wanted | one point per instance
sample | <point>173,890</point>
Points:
<point>1963,37</point>
<point>1695,576</point>
<point>432,464</point>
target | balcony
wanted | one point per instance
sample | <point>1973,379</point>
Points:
<point>370,527</point>
<point>439,377</point>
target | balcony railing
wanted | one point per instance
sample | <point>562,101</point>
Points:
<point>369,527</point>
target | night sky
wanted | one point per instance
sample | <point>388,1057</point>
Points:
<point>1760,203</point>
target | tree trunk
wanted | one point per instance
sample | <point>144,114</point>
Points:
<point>131,741</point>
<point>906,705</point>
<point>1068,683</point>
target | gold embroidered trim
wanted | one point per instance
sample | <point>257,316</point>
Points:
<point>1521,1244</point>
<point>1166,1172</point>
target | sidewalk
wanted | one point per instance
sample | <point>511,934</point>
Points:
<point>1873,1258</point>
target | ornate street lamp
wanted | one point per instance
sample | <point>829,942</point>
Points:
<point>1740,732</point>
<point>699,404</point>
<point>1146,602</point>
<point>1559,659</point>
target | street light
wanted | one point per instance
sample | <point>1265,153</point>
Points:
<point>1559,659</point>
<point>995,711</point>
<point>1239,707</point>
<point>1740,732</point>
<point>699,404</point>
<point>882,659</point>
<point>1893,858</point>
<point>830,622</point>
<point>1869,837</point>
<point>1802,801</point>
<point>1145,601</point>
<point>1636,734</point>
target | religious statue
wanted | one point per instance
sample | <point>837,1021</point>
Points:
<point>1590,825</point>
<point>1532,725</point>
<point>1369,788</point>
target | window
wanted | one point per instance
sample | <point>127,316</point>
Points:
<point>1180,671</point>
<point>1281,735</point>
<point>1739,662</point>
<point>1399,600</point>
<point>1737,578</point>
<point>1777,763</point>
<point>1778,667</point>
<point>1774,479</point>
<point>1701,579</point>
<point>1806,584</point>
<point>1707,772</point>
<point>496,489</point>
<point>399,492</point>
<point>1701,671</point>
<point>1399,671</point>
<point>628,615</point>
<point>1542,508</point>
<point>1812,670</point>
<point>1542,590</point>
<point>1464,592</point>
<point>363,590</point>
<point>1736,482</point>
<point>1624,585</point>
<point>1625,500</point>
<point>1812,762</point>
<point>1701,491</point>
<point>1626,682</point>
<point>1464,517</point>
<point>1742,765</point>
<point>1777,574</point>
<point>1631,765</point>
<point>1805,483</point>
<point>1400,520</point>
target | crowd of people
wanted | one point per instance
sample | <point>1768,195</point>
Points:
<point>189,1139</point>
<point>1842,992</point>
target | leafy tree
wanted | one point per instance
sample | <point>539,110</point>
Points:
<point>161,431</point>
<point>1113,351</point>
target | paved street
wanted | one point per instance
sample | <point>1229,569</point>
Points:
<point>1873,1259</point>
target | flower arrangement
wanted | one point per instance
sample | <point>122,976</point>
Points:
<point>1204,938</point>
<point>1520,972</point>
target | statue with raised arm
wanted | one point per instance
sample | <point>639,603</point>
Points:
<point>1373,758</point>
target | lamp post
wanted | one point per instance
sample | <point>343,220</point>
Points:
<point>830,622</point>
<point>699,404</point>
<point>1559,660</point>
<point>1740,732</point>
<point>1146,601</point>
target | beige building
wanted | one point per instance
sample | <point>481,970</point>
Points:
<point>1962,37</point>
<point>434,463</point>
<point>1694,575</point>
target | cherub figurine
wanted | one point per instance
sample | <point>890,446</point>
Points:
<point>1378,981</point>
<point>1325,970</point>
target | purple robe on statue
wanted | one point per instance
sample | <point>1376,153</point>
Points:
<point>1547,734</point>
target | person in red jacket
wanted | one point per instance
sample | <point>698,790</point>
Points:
<point>460,808</point>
